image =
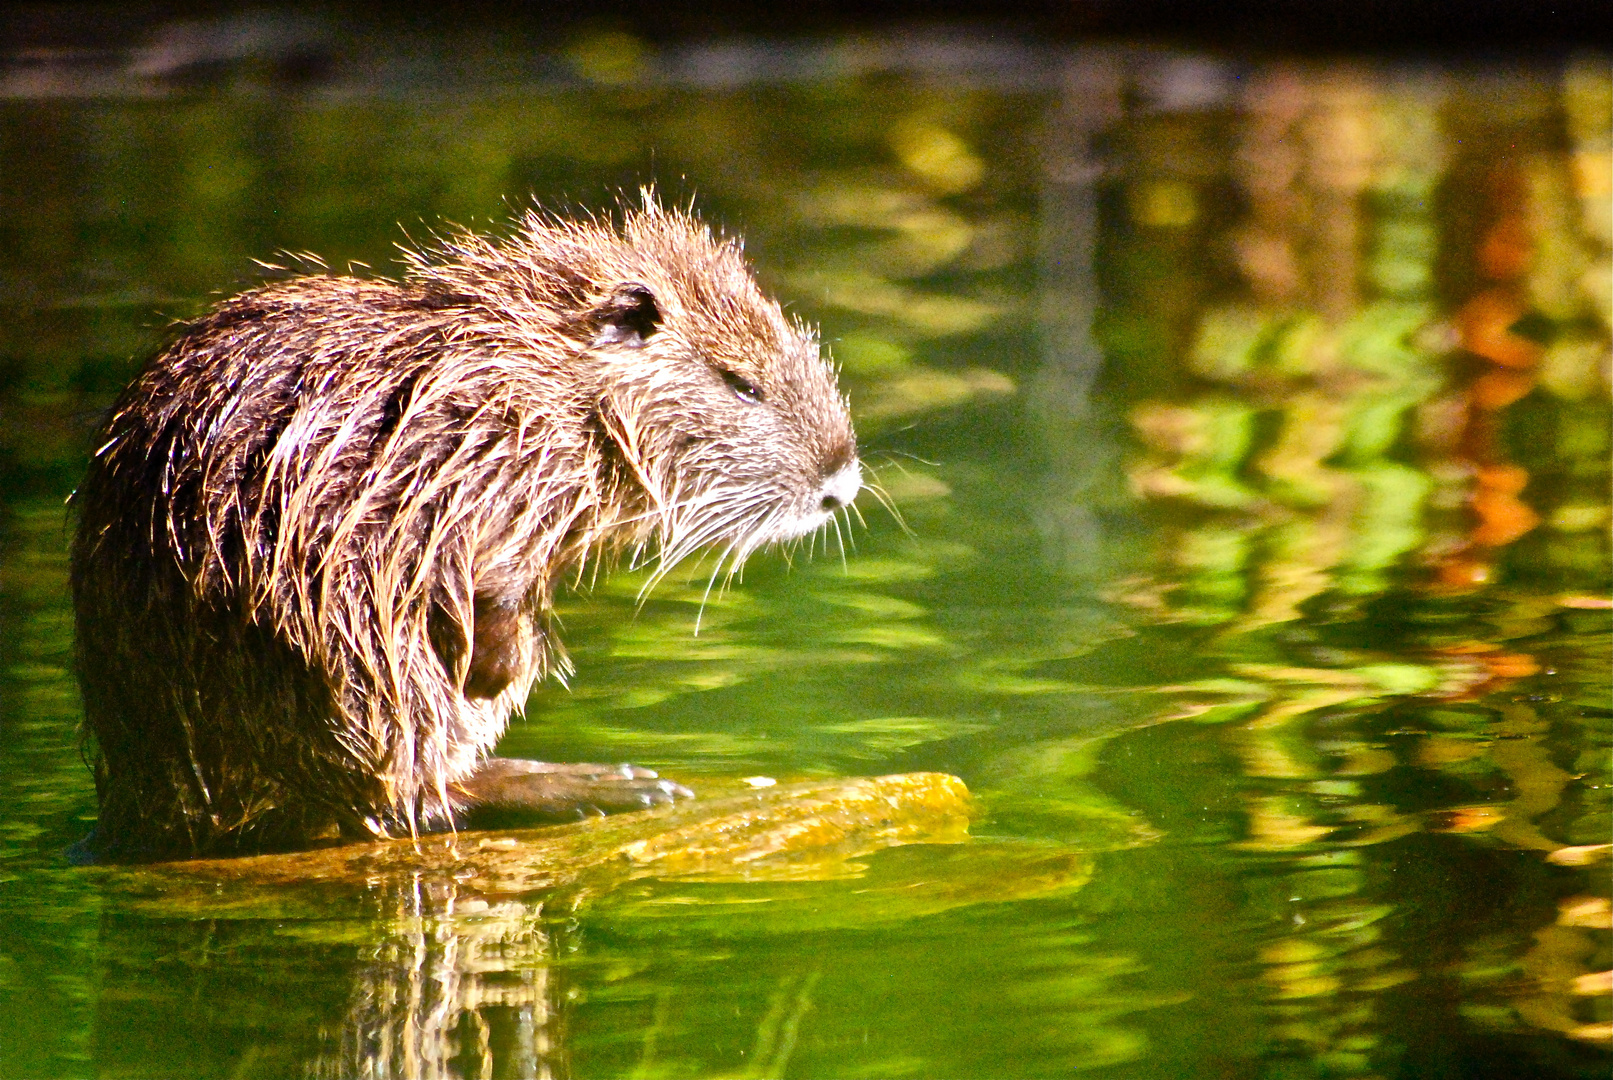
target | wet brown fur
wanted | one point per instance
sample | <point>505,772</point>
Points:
<point>319,544</point>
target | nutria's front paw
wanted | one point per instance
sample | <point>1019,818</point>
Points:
<point>509,791</point>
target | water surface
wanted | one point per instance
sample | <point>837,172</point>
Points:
<point>1248,426</point>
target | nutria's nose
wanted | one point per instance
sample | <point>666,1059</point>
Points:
<point>841,486</point>
<point>841,454</point>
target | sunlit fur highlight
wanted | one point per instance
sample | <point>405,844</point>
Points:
<point>302,506</point>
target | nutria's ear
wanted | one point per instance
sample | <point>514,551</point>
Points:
<point>629,316</point>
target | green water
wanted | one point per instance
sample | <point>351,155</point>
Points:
<point>1248,427</point>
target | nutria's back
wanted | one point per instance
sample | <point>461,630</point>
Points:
<point>319,542</point>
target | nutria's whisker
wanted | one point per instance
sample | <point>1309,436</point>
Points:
<point>705,596</point>
<point>890,456</point>
<point>840,540</point>
<point>889,504</point>
<point>848,511</point>
<point>701,533</point>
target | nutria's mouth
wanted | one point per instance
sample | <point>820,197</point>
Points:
<point>836,493</point>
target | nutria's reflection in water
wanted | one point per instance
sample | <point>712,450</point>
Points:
<point>458,984</point>
<point>430,980</point>
<point>444,961</point>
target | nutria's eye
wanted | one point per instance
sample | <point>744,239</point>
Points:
<point>629,316</point>
<point>743,388</point>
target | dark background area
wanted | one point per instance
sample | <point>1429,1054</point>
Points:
<point>1317,26</point>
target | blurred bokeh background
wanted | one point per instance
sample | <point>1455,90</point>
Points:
<point>1239,374</point>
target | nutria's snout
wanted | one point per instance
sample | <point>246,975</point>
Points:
<point>841,486</point>
<point>319,548</point>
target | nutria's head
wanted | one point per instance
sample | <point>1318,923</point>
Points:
<point>723,412</point>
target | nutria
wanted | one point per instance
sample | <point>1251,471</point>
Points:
<point>319,543</point>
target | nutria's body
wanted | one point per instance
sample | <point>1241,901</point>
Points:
<point>320,540</point>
